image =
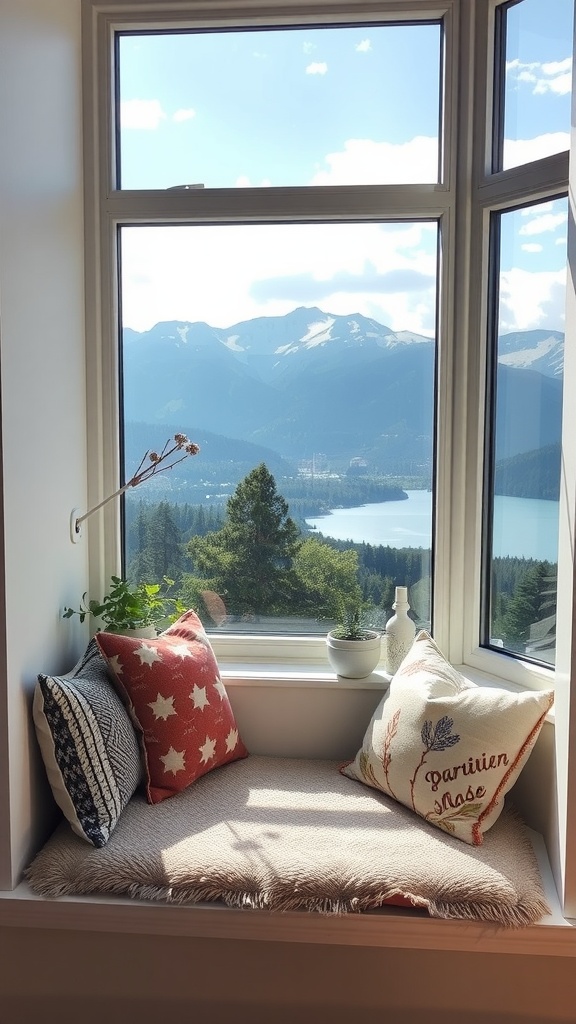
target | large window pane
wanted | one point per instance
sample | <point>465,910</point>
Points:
<point>305,349</point>
<point>306,106</point>
<point>536,79</point>
<point>528,372</point>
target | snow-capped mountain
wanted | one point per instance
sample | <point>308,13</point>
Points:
<point>535,350</point>
<point>315,381</point>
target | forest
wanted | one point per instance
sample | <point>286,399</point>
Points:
<point>263,563</point>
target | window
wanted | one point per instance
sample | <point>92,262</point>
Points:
<point>527,426</point>
<point>308,346</point>
<point>287,106</point>
<point>526,301</point>
<point>271,344</point>
<point>534,80</point>
<point>273,194</point>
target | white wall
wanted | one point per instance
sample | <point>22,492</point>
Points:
<point>42,384</point>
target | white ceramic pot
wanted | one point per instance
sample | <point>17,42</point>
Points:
<point>354,659</point>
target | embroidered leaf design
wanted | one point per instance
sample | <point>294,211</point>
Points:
<point>446,825</point>
<point>439,737</point>
<point>427,735</point>
<point>368,771</point>
<point>391,730</point>
<point>461,813</point>
<point>435,738</point>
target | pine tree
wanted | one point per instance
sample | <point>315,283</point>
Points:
<point>250,558</point>
<point>529,605</point>
<point>159,548</point>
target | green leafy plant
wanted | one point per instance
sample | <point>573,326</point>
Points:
<point>131,606</point>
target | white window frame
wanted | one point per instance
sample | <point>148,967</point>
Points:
<point>461,202</point>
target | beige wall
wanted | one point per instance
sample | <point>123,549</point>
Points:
<point>42,384</point>
<point>81,977</point>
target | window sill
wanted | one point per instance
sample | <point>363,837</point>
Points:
<point>242,673</point>
<point>390,927</point>
<point>275,673</point>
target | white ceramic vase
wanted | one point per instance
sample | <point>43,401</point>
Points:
<point>400,632</point>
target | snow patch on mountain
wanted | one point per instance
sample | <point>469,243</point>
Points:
<point>231,342</point>
<point>318,333</point>
<point>183,331</point>
<point>406,338</point>
<point>526,357</point>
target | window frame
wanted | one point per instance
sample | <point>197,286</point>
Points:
<point>461,203</point>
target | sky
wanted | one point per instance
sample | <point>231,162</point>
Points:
<point>289,107</point>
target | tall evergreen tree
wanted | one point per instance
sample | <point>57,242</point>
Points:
<point>530,604</point>
<point>250,558</point>
<point>160,551</point>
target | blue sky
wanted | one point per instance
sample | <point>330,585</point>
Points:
<point>326,106</point>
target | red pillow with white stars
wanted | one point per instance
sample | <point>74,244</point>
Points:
<point>178,703</point>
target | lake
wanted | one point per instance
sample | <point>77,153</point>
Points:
<point>523,527</point>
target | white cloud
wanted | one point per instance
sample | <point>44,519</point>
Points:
<point>364,46</point>
<point>206,273</point>
<point>551,77</point>
<point>531,300</point>
<point>532,247</point>
<point>522,151</point>
<point>514,65</point>
<point>542,223</point>
<point>365,162</point>
<point>145,115</point>
<point>557,67</point>
<point>184,114</point>
<point>561,85</point>
<point>308,47</point>
<point>317,68</point>
<point>526,76</point>
<point>528,211</point>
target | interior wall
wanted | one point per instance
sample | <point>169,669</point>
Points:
<point>42,384</point>
<point>70,977</point>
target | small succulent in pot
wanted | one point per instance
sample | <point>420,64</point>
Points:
<point>353,623</point>
<point>353,645</point>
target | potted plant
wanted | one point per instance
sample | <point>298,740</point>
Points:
<point>353,646</point>
<point>136,609</point>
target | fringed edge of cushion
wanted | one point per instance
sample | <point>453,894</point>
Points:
<point>526,912</point>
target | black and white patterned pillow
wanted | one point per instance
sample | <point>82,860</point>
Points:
<point>88,745</point>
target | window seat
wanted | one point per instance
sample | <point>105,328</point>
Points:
<point>267,834</point>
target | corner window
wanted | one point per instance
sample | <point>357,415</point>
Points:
<point>309,271</point>
<point>529,249</point>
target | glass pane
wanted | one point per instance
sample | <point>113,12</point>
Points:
<point>314,106</point>
<point>528,414</point>
<point>538,79</point>
<point>301,359</point>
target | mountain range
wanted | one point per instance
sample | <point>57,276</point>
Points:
<point>311,381</point>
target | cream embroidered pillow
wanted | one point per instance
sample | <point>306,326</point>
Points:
<point>446,748</point>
